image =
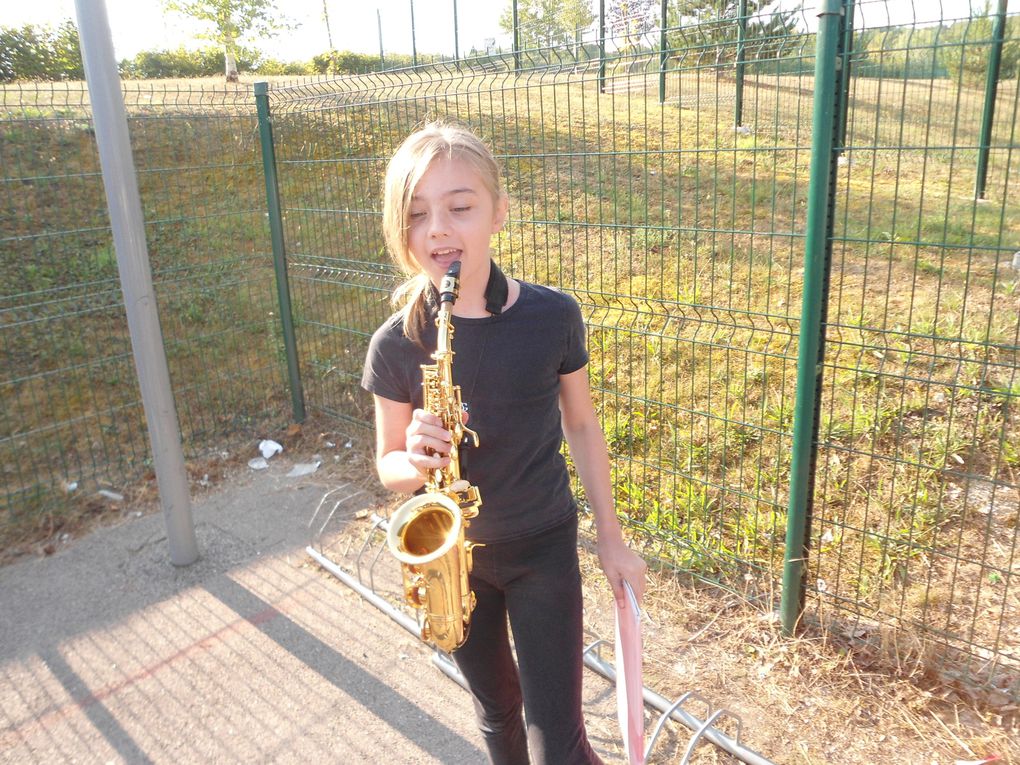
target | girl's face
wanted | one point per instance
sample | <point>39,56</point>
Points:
<point>452,216</point>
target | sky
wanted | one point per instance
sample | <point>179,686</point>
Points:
<point>354,25</point>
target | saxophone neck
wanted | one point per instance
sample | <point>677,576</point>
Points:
<point>444,340</point>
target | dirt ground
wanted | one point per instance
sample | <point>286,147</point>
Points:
<point>808,700</point>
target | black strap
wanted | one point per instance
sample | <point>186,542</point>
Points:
<point>496,291</point>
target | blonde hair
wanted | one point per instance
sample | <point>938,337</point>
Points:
<point>406,167</point>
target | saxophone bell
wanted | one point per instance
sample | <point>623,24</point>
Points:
<point>426,534</point>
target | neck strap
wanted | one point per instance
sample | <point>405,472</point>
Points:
<point>497,290</point>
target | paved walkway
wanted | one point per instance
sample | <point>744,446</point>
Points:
<point>108,653</point>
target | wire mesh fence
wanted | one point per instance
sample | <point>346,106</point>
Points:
<point>72,421</point>
<point>679,226</point>
<point>666,187</point>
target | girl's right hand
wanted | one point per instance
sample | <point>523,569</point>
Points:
<point>427,442</point>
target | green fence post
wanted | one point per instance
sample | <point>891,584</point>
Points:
<point>845,60</point>
<point>663,57</point>
<point>517,39</point>
<point>738,100</point>
<point>602,45</point>
<point>297,396</point>
<point>991,86</point>
<point>811,348</point>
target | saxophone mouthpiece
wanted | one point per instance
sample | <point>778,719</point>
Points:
<point>449,287</point>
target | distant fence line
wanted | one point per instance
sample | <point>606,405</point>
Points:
<point>713,225</point>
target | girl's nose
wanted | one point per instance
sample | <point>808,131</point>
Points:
<point>438,225</point>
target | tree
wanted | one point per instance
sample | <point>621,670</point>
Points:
<point>898,52</point>
<point>966,45</point>
<point>713,23</point>
<point>631,20</point>
<point>24,54</point>
<point>545,23</point>
<point>232,20</point>
<point>40,53</point>
<point>66,47</point>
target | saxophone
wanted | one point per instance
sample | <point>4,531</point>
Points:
<point>426,533</point>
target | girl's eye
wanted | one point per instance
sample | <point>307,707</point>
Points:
<point>416,215</point>
<point>462,209</point>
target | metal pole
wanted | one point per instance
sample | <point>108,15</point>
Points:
<point>817,255</point>
<point>297,397</point>
<point>663,57</point>
<point>456,40</point>
<point>382,60</point>
<point>991,86</point>
<point>517,38</point>
<point>845,59</point>
<point>121,183</point>
<point>325,16</point>
<point>738,118</point>
<point>414,46</point>
<point>602,46</point>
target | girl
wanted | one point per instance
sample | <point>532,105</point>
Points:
<point>521,365</point>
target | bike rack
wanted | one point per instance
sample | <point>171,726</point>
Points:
<point>370,552</point>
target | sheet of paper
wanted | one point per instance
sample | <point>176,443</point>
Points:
<point>629,696</point>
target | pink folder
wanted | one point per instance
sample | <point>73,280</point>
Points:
<point>629,689</point>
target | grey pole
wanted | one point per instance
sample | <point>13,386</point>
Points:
<point>414,45</point>
<point>456,36</point>
<point>110,121</point>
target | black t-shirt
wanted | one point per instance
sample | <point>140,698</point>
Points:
<point>508,368</point>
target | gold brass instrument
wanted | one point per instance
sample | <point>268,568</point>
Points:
<point>426,533</point>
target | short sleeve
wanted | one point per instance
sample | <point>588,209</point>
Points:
<point>575,353</point>
<point>383,374</point>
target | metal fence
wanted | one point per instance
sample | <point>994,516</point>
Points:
<point>71,421</point>
<point>689,191</point>
<point>669,194</point>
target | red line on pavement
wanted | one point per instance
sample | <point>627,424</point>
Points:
<point>46,718</point>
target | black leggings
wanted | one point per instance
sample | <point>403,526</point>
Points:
<point>537,583</point>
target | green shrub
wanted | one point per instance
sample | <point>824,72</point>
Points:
<point>40,53</point>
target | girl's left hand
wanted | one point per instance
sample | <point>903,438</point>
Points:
<point>620,564</point>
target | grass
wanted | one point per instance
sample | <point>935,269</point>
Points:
<point>682,240</point>
<point>72,413</point>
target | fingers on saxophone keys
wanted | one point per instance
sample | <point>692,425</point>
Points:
<point>426,418</point>
<point>424,463</point>
<point>426,422</point>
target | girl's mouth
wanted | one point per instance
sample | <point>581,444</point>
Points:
<point>444,256</point>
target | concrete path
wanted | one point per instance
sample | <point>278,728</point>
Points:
<point>254,654</point>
